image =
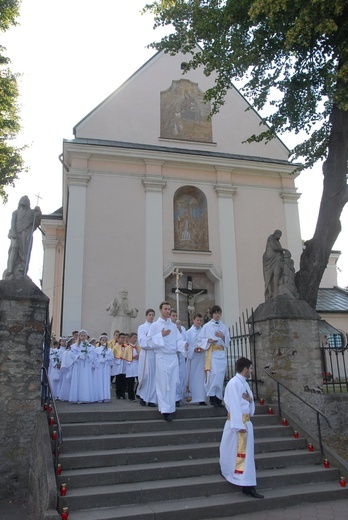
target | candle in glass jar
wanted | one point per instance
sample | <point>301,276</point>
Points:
<point>296,435</point>
<point>63,490</point>
<point>326,463</point>
<point>59,469</point>
<point>51,421</point>
<point>284,422</point>
<point>65,513</point>
<point>45,407</point>
<point>343,481</point>
<point>310,446</point>
<point>54,435</point>
<point>270,411</point>
<point>262,401</point>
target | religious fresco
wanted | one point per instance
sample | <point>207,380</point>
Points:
<point>190,220</point>
<point>184,115</point>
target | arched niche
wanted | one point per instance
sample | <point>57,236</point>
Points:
<point>190,220</point>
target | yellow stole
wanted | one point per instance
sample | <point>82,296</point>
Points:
<point>207,364</point>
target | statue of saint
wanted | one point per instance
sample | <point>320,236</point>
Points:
<point>23,224</point>
<point>122,311</point>
<point>278,269</point>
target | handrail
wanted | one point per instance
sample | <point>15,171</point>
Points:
<point>318,412</point>
<point>47,397</point>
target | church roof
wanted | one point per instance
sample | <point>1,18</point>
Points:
<point>56,215</point>
<point>332,300</point>
<point>187,151</point>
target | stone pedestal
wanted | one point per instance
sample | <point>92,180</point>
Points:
<point>23,310</point>
<point>287,341</point>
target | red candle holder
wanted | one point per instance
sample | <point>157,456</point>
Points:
<point>59,469</point>
<point>50,408</point>
<point>343,482</point>
<point>262,401</point>
<point>54,435</point>
<point>51,420</point>
<point>296,434</point>
<point>270,411</point>
<point>284,422</point>
<point>310,447</point>
<point>65,513</point>
<point>326,463</point>
<point>45,407</point>
<point>63,490</point>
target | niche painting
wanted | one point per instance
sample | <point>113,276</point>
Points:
<point>190,220</point>
<point>184,115</point>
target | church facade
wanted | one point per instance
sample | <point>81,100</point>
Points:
<point>152,187</point>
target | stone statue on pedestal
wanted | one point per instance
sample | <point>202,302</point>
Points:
<point>23,224</point>
<point>122,311</point>
<point>278,269</point>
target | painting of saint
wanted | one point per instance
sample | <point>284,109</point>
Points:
<point>184,114</point>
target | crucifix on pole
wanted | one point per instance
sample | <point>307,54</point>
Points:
<point>177,273</point>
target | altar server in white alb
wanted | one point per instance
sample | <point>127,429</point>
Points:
<point>147,368</point>
<point>167,341</point>
<point>218,338</point>
<point>104,357</point>
<point>237,461</point>
<point>195,363</point>
<point>81,389</point>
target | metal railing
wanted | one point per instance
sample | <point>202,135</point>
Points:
<point>334,359</point>
<point>242,343</point>
<point>49,405</point>
<point>318,412</point>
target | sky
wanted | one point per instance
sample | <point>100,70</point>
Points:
<point>71,55</point>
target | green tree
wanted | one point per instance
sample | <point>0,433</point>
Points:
<point>294,56</point>
<point>11,162</point>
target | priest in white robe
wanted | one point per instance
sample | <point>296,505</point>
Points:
<point>237,461</point>
<point>167,341</point>
<point>218,338</point>
<point>195,363</point>
<point>147,364</point>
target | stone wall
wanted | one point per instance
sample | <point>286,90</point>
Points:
<point>23,310</point>
<point>287,342</point>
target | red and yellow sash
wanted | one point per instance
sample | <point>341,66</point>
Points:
<point>241,449</point>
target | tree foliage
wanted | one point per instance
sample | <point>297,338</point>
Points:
<point>11,162</point>
<point>293,55</point>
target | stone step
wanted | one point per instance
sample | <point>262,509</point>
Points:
<point>165,435</point>
<point>148,454</point>
<point>224,506</point>
<point>101,476</point>
<point>140,413</point>
<point>136,426</point>
<point>191,487</point>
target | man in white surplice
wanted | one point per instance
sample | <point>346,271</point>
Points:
<point>147,368</point>
<point>237,461</point>
<point>195,363</point>
<point>218,338</point>
<point>167,341</point>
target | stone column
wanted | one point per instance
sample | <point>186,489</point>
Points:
<point>154,280</point>
<point>292,220</point>
<point>74,254</point>
<point>229,292</point>
<point>23,310</point>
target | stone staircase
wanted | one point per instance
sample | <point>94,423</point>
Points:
<point>131,465</point>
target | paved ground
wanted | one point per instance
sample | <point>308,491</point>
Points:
<point>332,510</point>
